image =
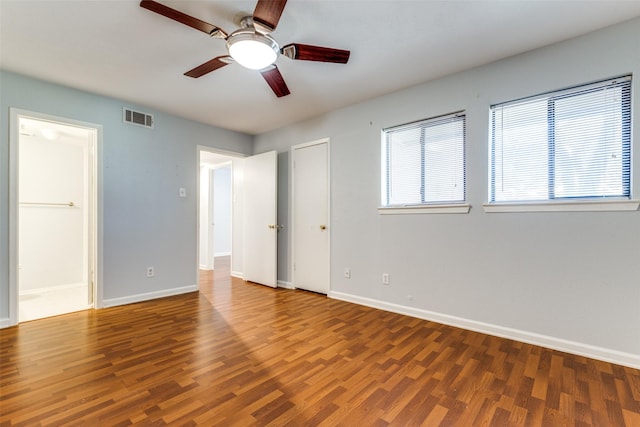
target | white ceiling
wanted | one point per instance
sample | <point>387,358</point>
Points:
<point>53,131</point>
<point>118,49</point>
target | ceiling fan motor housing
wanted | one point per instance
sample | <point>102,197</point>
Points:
<point>251,49</point>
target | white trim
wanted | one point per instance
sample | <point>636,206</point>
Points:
<point>205,267</point>
<point>216,254</point>
<point>453,208</point>
<point>285,285</point>
<point>310,143</point>
<point>14,138</point>
<point>5,322</point>
<point>130,299</point>
<point>237,274</point>
<point>581,349</point>
<point>564,206</point>
<point>96,214</point>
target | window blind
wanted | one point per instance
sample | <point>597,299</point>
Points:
<point>423,162</point>
<point>567,144</point>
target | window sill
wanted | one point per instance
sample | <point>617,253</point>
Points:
<point>425,209</point>
<point>573,206</point>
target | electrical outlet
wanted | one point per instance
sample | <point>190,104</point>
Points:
<point>385,278</point>
<point>150,272</point>
<point>347,273</point>
<point>183,192</point>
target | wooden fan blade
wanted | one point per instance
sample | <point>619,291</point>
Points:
<point>307,52</point>
<point>207,67</point>
<point>275,81</point>
<point>183,18</point>
<point>267,14</point>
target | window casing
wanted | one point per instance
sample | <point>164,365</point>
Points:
<point>423,162</point>
<point>566,145</point>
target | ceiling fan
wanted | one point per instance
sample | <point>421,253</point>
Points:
<point>251,45</point>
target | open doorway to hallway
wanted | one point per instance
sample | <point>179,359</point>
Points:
<point>220,227</point>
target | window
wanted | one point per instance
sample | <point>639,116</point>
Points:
<point>565,145</point>
<point>423,162</point>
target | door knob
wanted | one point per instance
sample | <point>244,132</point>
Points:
<point>323,227</point>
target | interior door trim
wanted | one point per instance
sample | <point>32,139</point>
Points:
<point>97,209</point>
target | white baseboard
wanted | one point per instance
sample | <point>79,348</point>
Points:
<point>215,254</point>
<point>285,285</point>
<point>237,274</point>
<point>204,267</point>
<point>5,322</point>
<point>581,349</point>
<point>113,302</point>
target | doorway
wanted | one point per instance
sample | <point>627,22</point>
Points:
<point>311,232</point>
<point>217,216</point>
<point>215,198</point>
<point>54,212</point>
<point>253,221</point>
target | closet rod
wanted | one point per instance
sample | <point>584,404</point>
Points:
<point>70,204</point>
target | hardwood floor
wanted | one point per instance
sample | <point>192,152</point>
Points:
<point>239,354</point>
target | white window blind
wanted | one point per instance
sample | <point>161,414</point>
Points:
<point>423,162</point>
<point>564,145</point>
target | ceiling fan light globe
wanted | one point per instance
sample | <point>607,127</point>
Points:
<point>254,51</point>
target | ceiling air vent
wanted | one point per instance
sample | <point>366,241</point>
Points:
<point>138,118</point>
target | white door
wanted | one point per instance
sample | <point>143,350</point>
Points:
<point>311,216</point>
<point>260,219</point>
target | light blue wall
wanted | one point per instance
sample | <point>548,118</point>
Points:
<point>571,278</point>
<point>145,222</point>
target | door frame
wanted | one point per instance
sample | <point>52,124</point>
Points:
<point>96,206</point>
<point>326,140</point>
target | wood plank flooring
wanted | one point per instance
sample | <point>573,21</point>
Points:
<point>239,354</point>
